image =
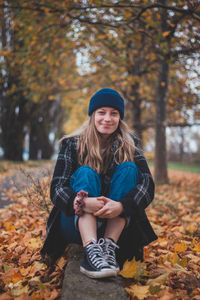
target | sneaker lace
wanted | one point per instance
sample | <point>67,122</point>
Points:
<point>95,255</point>
<point>109,250</point>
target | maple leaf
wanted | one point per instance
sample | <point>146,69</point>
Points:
<point>132,269</point>
<point>138,291</point>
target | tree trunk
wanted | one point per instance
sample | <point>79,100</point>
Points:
<point>12,124</point>
<point>135,108</point>
<point>40,127</point>
<point>13,111</point>
<point>161,175</point>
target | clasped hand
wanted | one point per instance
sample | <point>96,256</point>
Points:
<point>103,207</point>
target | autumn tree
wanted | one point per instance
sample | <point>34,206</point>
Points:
<point>38,70</point>
<point>169,34</point>
<point>139,40</point>
<point>13,103</point>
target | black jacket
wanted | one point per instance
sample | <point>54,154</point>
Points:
<point>139,231</point>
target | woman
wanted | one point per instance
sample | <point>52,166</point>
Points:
<point>100,189</point>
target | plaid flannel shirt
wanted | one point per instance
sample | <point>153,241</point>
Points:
<point>63,196</point>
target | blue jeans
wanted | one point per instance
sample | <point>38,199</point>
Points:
<point>124,179</point>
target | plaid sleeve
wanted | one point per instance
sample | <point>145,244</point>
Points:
<point>61,194</point>
<point>143,193</point>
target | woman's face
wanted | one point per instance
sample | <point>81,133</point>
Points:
<point>106,120</point>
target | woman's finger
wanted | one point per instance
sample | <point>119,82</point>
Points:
<point>100,212</point>
<point>105,200</point>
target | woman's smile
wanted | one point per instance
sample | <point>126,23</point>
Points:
<point>106,120</point>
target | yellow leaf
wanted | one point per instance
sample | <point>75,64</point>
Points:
<point>33,243</point>
<point>179,268</point>
<point>166,33</point>
<point>196,248</point>
<point>9,226</point>
<point>132,269</point>
<point>129,269</point>
<point>180,247</point>
<point>138,291</point>
<point>19,291</point>
<point>174,258</point>
<point>6,267</point>
<point>62,262</point>
<point>158,280</point>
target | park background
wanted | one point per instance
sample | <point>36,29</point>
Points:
<point>54,55</point>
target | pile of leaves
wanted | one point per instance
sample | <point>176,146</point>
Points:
<point>22,232</point>
<point>171,267</point>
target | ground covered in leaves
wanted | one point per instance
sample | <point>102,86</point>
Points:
<point>171,269</point>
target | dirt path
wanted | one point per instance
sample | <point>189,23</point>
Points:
<point>17,179</point>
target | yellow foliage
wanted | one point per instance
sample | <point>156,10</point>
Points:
<point>132,269</point>
<point>180,247</point>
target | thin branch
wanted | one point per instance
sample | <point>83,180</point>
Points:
<point>41,8</point>
<point>182,124</point>
<point>185,51</point>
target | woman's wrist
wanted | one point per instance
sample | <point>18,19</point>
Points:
<point>79,203</point>
<point>121,209</point>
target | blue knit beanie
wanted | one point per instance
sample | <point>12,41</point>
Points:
<point>106,97</point>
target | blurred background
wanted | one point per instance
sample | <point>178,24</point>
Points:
<point>55,54</point>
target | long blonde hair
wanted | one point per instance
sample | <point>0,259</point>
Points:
<point>89,145</point>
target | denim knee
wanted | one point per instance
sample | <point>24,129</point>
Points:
<point>125,178</point>
<point>85,178</point>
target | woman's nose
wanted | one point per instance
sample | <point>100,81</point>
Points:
<point>107,117</point>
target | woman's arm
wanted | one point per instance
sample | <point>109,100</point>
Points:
<point>110,209</point>
<point>61,194</point>
<point>143,193</point>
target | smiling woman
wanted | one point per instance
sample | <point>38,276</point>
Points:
<point>106,121</point>
<point>100,189</point>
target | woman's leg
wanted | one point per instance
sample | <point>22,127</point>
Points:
<point>125,178</point>
<point>94,264</point>
<point>85,178</point>
<point>114,228</point>
<point>87,225</point>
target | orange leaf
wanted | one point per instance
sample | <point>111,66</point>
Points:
<point>180,247</point>
<point>9,226</point>
<point>166,33</point>
<point>196,248</point>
